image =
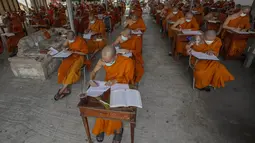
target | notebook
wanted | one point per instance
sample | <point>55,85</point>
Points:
<point>203,56</point>
<point>125,98</point>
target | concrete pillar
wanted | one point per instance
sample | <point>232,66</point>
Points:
<point>70,13</point>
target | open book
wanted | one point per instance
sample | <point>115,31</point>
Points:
<point>203,56</point>
<point>118,50</point>
<point>101,88</point>
<point>125,98</point>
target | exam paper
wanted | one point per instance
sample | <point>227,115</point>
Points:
<point>189,32</point>
<point>139,32</point>
<point>52,51</point>
<point>63,54</point>
<point>8,34</point>
<point>203,56</point>
<point>87,36</point>
<point>242,32</point>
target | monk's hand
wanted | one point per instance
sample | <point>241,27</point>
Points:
<point>110,82</point>
<point>93,83</point>
<point>210,53</point>
<point>244,30</point>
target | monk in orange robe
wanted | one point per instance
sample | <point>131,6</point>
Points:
<point>187,23</point>
<point>132,44</point>
<point>239,21</point>
<point>69,71</point>
<point>171,18</point>
<point>14,26</point>
<point>98,40</point>
<point>198,11</point>
<point>209,73</point>
<point>119,69</point>
<point>135,23</point>
<point>166,10</point>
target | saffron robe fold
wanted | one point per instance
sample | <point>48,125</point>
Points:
<point>69,71</point>
<point>139,24</point>
<point>122,71</point>
<point>208,72</point>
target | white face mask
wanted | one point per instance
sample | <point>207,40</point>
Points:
<point>71,41</point>
<point>92,22</point>
<point>242,14</point>
<point>175,12</point>
<point>109,64</point>
<point>124,38</point>
<point>208,42</point>
<point>188,20</point>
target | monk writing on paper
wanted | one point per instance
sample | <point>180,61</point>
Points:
<point>69,71</point>
<point>241,22</point>
<point>208,73</point>
<point>135,23</point>
<point>132,44</point>
<point>186,23</point>
<point>118,69</point>
<point>97,28</point>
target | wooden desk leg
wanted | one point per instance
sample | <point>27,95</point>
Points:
<point>86,125</point>
<point>132,128</point>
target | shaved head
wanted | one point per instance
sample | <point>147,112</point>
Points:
<point>70,35</point>
<point>108,54</point>
<point>246,9</point>
<point>134,17</point>
<point>175,9</point>
<point>210,35</point>
<point>91,17</point>
<point>189,15</point>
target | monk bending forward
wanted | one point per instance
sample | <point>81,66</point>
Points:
<point>119,69</point>
<point>209,73</point>
<point>69,71</point>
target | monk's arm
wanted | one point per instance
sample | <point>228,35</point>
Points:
<point>169,16</point>
<point>98,66</point>
<point>173,27</point>
<point>116,42</point>
<point>225,24</point>
<point>195,25</point>
<point>65,44</point>
<point>216,48</point>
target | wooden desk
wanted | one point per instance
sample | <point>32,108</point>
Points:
<point>178,37</point>
<point>229,37</point>
<point>93,108</point>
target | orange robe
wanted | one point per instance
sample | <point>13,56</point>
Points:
<point>93,45</point>
<point>237,47</point>
<point>180,46</point>
<point>135,45</point>
<point>122,71</point>
<point>139,24</point>
<point>208,72</point>
<point>69,71</point>
<point>177,16</point>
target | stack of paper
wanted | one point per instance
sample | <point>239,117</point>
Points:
<point>87,36</point>
<point>101,88</point>
<point>203,56</point>
<point>125,98</point>
<point>189,32</point>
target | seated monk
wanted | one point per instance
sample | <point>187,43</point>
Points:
<point>69,71</point>
<point>135,23</point>
<point>97,28</point>
<point>172,17</point>
<point>163,15</point>
<point>198,11</point>
<point>239,21</point>
<point>208,73</point>
<point>186,23</point>
<point>132,44</point>
<point>119,69</point>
